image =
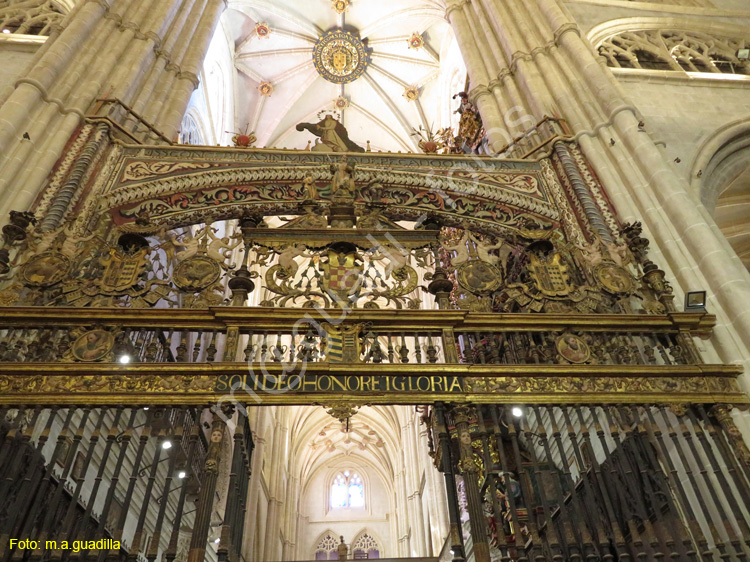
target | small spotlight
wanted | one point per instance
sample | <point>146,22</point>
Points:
<point>124,359</point>
<point>517,412</point>
<point>181,474</point>
<point>217,541</point>
<point>6,30</point>
<point>145,409</point>
<point>166,445</point>
<point>695,301</point>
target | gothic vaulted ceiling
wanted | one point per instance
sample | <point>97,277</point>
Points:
<point>401,49</point>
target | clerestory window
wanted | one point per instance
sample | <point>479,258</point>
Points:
<point>347,490</point>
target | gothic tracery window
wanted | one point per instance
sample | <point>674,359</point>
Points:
<point>347,490</point>
<point>327,548</point>
<point>365,547</point>
<point>36,17</point>
<point>190,132</point>
<point>662,49</point>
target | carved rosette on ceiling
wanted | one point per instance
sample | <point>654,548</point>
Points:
<point>340,57</point>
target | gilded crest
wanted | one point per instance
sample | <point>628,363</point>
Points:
<point>122,272</point>
<point>342,272</point>
<point>45,269</point>
<point>342,343</point>
<point>549,273</point>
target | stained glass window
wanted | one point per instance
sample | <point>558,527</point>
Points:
<point>347,490</point>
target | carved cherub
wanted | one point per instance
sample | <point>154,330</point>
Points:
<point>287,255</point>
<point>461,248</point>
<point>221,249</point>
<point>396,256</point>
<point>484,248</point>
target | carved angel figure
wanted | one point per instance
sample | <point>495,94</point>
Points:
<point>332,134</point>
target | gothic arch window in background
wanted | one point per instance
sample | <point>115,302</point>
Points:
<point>190,132</point>
<point>327,548</point>
<point>347,490</point>
<point>35,17</point>
<point>365,547</point>
<point>665,49</point>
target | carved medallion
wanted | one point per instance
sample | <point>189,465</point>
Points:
<point>614,279</point>
<point>94,345</point>
<point>196,273</point>
<point>479,277</point>
<point>45,270</point>
<point>573,349</point>
<point>340,57</point>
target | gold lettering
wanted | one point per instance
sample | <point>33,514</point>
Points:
<point>366,383</point>
<point>399,383</point>
<point>437,384</point>
<point>349,385</point>
<point>455,384</point>
<point>340,383</point>
<point>327,380</point>
<point>423,384</point>
<point>310,384</point>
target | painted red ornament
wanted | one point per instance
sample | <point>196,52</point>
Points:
<point>243,140</point>
<point>430,147</point>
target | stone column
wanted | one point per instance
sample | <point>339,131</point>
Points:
<point>109,47</point>
<point>472,53</point>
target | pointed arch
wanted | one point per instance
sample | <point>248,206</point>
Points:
<point>366,544</point>
<point>325,546</point>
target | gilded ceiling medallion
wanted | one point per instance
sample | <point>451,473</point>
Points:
<point>340,6</point>
<point>340,57</point>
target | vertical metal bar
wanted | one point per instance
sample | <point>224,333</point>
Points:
<point>123,438</point>
<point>718,540</point>
<point>722,414</point>
<point>171,552</point>
<point>656,436</point>
<point>176,438</point>
<point>572,542</point>
<point>638,487</point>
<point>68,519</point>
<point>587,509</point>
<point>613,531</point>
<point>536,542</point>
<point>728,494</point>
<point>621,497</point>
<point>710,484</point>
<point>42,489</point>
<point>733,467</point>
<point>11,517</point>
<point>136,546</point>
<point>447,467</point>
<point>677,535</point>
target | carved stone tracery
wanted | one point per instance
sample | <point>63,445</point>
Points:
<point>665,49</point>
